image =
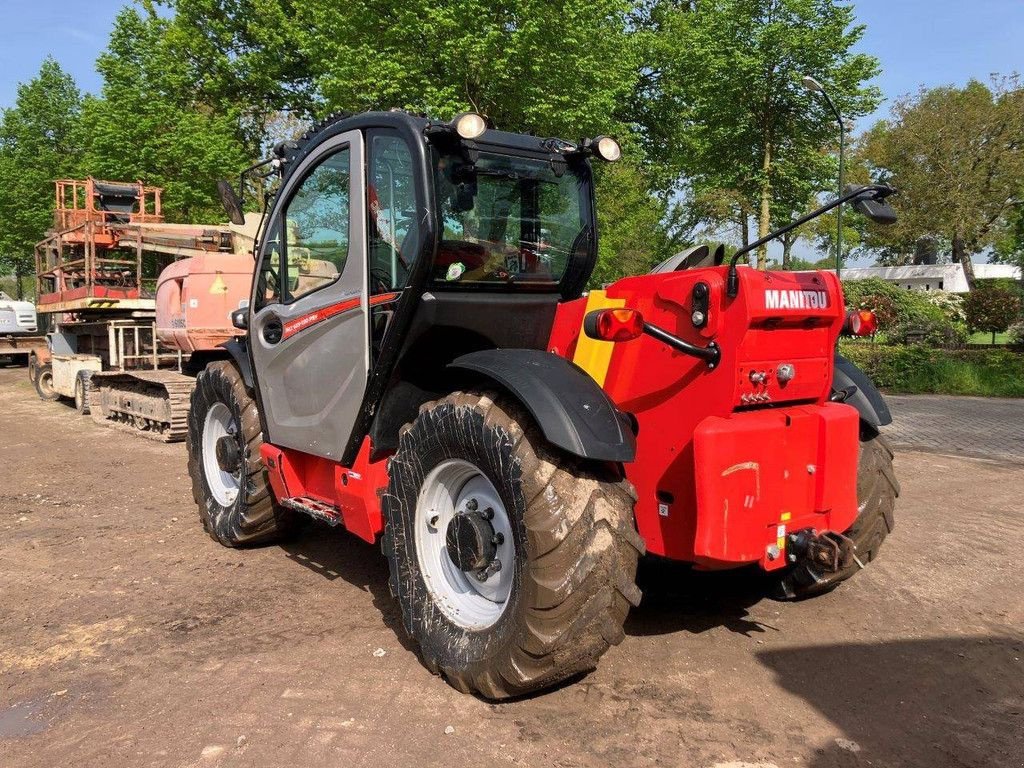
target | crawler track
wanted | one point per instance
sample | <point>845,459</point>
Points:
<point>151,404</point>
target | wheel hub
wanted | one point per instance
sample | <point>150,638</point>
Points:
<point>464,544</point>
<point>228,455</point>
<point>471,541</point>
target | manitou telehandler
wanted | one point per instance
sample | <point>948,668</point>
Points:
<point>514,442</point>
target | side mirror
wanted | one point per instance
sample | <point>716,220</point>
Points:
<point>875,207</point>
<point>232,204</point>
<point>240,319</point>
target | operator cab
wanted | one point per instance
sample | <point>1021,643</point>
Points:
<point>393,245</point>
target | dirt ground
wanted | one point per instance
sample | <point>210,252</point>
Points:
<point>129,638</point>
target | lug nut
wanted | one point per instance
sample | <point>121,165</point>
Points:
<point>487,514</point>
<point>472,505</point>
<point>498,539</point>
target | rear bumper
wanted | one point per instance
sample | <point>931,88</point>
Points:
<point>761,475</point>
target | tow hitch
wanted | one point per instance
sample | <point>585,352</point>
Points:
<point>829,552</point>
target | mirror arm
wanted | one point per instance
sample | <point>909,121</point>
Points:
<point>878,191</point>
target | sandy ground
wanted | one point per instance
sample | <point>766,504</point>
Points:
<point>129,638</point>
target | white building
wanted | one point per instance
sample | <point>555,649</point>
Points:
<point>933,277</point>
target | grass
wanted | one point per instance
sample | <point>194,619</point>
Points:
<point>983,337</point>
<point>916,369</point>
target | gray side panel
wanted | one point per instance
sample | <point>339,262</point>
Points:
<point>867,399</point>
<point>312,381</point>
<point>572,411</point>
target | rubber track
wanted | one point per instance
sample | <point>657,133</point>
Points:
<point>175,388</point>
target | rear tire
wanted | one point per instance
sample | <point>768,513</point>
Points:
<point>237,507</point>
<point>877,490</point>
<point>573,553</point>
<point>44,384</point>
<point>82,387</point>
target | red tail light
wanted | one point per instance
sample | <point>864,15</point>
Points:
<point>614,324</point>
<point>860,322</point>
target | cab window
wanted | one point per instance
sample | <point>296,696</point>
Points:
<point>391,213</point>
<point>308,246</point>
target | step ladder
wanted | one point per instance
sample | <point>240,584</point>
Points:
<point>319,510</point>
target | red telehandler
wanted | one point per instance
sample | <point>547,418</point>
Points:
<point>513,443</point>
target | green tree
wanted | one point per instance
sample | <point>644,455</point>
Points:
<point>636,228</point>
<point>153,123</point>
<point>556,69</point>
<point>992,308</point>
<point>722,109</point>
<point>39,142</point>
<point>956,155</point>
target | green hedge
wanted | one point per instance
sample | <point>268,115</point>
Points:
<point>926,370</point>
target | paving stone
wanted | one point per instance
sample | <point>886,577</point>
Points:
<point>980,427</point>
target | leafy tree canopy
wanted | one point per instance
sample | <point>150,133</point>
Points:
<point>956,155</point>
<point>722,109</point>
<point>40,141</point>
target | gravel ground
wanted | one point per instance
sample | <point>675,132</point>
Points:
<point>129,638</point>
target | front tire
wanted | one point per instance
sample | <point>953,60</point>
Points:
<point>232,489</point>
<point>877,490</point>
<point>44,384</point>
<point>82,387</point>
<point>567,548</point>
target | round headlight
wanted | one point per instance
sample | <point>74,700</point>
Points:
<point>607,148</point>
<point>469,125</point>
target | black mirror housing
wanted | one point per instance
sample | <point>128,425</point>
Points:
<point>231,202</point>
<point>879,211</point>
<point>240,319</point>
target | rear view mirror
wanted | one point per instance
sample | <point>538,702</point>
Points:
<point>878,211</point>
<point>874,206</point>
<point>232,204</point>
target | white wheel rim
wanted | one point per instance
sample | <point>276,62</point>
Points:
<point>466,601</point>
<point>223,485</point>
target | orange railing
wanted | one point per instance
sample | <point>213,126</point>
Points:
<point>81,201</point>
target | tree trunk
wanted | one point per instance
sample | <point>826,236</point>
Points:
<point>764,222</point>
<point>742,218</point>
<point>17,281</point>
<point>787,249</point>
<point>961,255</point>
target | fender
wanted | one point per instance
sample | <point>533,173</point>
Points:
<point>572,411</point>
<point>866,399</point>
<point>240,355</point>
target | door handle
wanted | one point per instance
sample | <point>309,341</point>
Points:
<point>273,331</point>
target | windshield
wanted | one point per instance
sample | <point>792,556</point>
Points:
<point>509,220</point>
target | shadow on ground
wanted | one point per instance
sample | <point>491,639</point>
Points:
<point>333,553</point>
<point>947,701</point>
<point>680,599</point>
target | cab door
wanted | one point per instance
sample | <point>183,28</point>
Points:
<point>308,330</point>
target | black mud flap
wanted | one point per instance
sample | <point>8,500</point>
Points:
<point>858,390</point>
<point>240,354</point>
<point>570,408</point>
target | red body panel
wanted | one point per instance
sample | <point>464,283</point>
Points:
<point>675,398</point>
<point>762,474</point>
<point>354,492</point>
<point>726,464</point>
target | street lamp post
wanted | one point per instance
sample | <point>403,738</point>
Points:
<point>814,86</point>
